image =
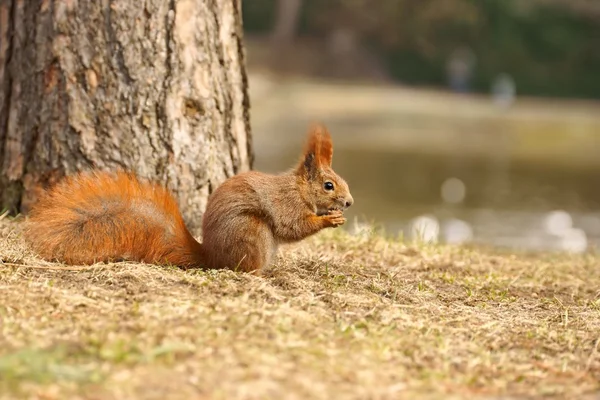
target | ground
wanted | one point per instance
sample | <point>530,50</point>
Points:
<point>338,316</point>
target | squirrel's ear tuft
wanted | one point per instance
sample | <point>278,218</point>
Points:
<point>320,140</point>
<point>325,154</point>
<point>318,151</point>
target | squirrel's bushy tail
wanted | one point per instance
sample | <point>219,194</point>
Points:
<point>99,216</point>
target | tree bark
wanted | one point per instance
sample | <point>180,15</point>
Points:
<point>157,87</point>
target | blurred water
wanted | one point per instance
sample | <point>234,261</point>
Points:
<point>507,178</point>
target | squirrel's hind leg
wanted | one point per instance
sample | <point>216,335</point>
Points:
<point>249,249</point>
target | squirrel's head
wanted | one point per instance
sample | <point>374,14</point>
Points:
<point>327,191</point>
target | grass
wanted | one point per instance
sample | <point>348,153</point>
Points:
<point>338,316</point>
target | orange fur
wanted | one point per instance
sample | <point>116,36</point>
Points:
<point>324,145</point>
<point>99,216</point>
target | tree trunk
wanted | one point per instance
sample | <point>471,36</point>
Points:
<point>286,22</point>
<point>284,31</point>
<point>157,87</point>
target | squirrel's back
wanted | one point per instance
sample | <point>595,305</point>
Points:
<point>99,216</point>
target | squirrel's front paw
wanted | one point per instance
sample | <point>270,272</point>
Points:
<point>335,218</point>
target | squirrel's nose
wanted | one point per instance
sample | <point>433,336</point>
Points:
<point>349,201</point>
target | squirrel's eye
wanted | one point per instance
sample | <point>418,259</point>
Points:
<point>328,186</point>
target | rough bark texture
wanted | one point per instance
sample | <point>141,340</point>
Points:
<point>156,86</point>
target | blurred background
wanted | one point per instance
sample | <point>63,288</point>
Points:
<point>461,121</point>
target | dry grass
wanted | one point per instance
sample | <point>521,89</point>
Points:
<point>339,316</point>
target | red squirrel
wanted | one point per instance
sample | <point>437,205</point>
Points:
<point>100,216</point>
